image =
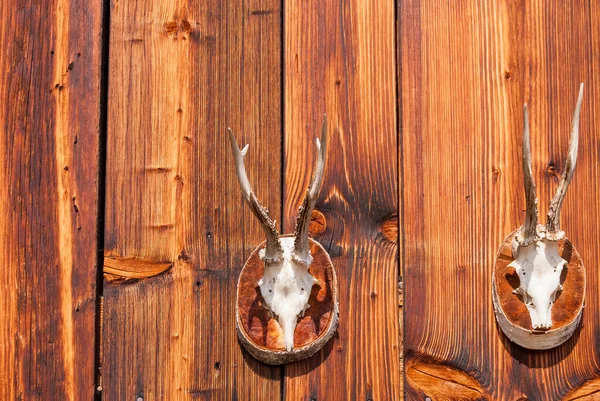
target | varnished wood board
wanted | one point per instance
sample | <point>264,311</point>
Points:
<point>49,147</point>
<point>466,70</point>
<point>181,73</point>
<point>339,58</point>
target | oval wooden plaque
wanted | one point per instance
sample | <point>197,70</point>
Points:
<point>511,313</point>
<point>260,333</point>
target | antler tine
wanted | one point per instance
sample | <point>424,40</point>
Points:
<point>301,252</point>
<point>273,251</point>
<point>553,231</point>
<point>528,232</point>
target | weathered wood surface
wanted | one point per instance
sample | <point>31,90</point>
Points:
<point>340,59</point>
<point>50,80</point>
<point>177,233</point>
<point>467,68</point>
<point>181,72</point>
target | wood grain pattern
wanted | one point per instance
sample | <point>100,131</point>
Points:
<point>590,391</point>
<point>116,268</point>
<point>181,72</point>
<point>50,80</point>
<point>340,58</point>
<point>442,382</point>
<point>467,69</point>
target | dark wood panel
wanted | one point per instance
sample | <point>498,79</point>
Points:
<point>50,80</point>
<point>180,73</point>
<point>340,59</point>
<point>467,68</point>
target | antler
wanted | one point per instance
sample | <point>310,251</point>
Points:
<point>553,231</point>
<point>528,232</point>
<point>301,252</point>
<point>273,251</point>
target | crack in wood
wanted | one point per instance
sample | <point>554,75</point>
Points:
<point>426,377</point>
<point>133,268</point>
<point>447,380</point>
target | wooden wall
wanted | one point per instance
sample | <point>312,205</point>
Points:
<point>467,69</point>
<point>339,57</point>
<point>49,168</point>
<point>124,229</point>
<point>181,73</point>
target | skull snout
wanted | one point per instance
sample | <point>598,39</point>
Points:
<point>539,267</point>
<point>289,303</point>
<point>288,325</point>
<point>540,310</point>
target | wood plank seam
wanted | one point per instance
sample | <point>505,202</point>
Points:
<point>101,218</point>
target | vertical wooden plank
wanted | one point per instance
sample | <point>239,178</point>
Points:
<point>181,72</point>
<point>340,59</point>
<point>49,130</point>
<point>467,69</point>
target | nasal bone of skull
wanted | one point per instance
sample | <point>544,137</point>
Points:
<point>542,306</point>
<point>288,324</point>
<point>288,305</point>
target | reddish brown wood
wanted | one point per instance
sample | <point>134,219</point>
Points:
<point>340,59</point>
<point>442,382</point>
<point>49,132</point>
<point>467,68</point>
<point>181,72</point>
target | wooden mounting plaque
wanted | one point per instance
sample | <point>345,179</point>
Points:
<point>511,313</point>
<point>258,330</point>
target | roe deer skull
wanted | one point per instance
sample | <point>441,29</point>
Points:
<point>535,247</point>
<point>286,284</point>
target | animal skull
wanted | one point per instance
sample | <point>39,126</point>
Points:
<point>539,267</point>
<point>286,284</point>
<point>535,247</point>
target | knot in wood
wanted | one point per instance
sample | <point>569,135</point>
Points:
<point>389,229</point>
<point>317,224</point>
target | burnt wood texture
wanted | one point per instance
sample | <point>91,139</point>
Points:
<point>49,149</point>
<point>466,70</point>
<point>339,58</point>
<point>177,234</point>
<point>181,72</point>
<point>424,102</point>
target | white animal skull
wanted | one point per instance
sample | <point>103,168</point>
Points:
<point>286,287</point>
<point>535,247</point>
<point>539,267</point>
<point>286,284</point>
